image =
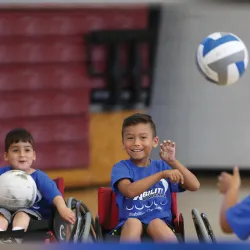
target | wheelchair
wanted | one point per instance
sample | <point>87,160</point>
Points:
<point>107,219</point>
<point>58,230</point>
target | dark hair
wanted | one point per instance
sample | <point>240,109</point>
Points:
<point>18,135</point>
<point>136,119</point>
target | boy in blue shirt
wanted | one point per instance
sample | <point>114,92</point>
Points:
<point>20,154</point>
<point>143,186</point>
<point>234,215</point>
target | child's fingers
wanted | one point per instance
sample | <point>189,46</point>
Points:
<point>182,179</point>
<point>167,143</point>
<point>236,171</point>
<point>175,178</point>
<point>163,147</point>
<point>71,220</point>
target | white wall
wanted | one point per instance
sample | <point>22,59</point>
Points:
<point>209,123</point>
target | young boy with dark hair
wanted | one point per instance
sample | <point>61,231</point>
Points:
<point>143,186</point>
<point>20,154</point>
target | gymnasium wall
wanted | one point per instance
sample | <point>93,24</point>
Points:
<point>45,87</point>
<point>105,151</point>
<point>210,124</point>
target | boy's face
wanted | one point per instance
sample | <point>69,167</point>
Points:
<point>138,142</point>
<point>20,156</point>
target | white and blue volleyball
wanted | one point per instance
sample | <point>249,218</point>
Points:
<point>222,58</point>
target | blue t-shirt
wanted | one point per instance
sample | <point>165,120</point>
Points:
<point>238,218</point>
<point>154,202</point>
<point>46,192</point>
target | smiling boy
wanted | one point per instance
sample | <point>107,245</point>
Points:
<point>143,186</point>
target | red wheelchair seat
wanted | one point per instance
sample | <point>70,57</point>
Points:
<point>108,211</point>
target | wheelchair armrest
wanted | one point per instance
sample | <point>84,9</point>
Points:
<point>176,224</point>
<point>181,226</point>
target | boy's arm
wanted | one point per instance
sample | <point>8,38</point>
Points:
<point>191,183</point>
<point>234,215</point>
<point>235,218</point>
<point>167,154</point>
<point>230,199</point>
<point>132,189</point>
<point>50,192</point>
<point>65,212</point>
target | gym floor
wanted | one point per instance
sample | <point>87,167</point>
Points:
<point>206,200</point>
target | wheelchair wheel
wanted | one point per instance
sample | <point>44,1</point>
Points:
<point>200,228</point>
<point>62,229</point>
<point>83,230</point>
<point>85,234</point>
<point>69,203</point>
<point>208,227</point>
<point>98,229</point>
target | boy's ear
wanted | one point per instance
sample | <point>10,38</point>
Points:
<point>123,147</point>
<point>5,156</point>
<point>34,156</point>
<point>155,142</point>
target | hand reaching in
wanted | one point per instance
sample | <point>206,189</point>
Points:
<point>67,214</point>
<point>227,181</point>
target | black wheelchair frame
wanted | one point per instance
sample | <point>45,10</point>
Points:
<point>40,230</point>
<point>86,229</point>
<point>202,226</point>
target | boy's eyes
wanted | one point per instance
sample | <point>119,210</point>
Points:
<point>26,150</point>
<point>142,137</point>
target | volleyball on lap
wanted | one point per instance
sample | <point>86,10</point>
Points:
<point>222,58</point>
<point>18,190</point>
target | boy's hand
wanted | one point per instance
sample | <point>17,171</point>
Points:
<point>174,176</point>
<point>67,214</point>
<point>167,151</point>
<point>227,181</point>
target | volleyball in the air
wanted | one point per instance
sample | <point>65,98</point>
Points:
<point>222,58</point>
<point>17,190</point>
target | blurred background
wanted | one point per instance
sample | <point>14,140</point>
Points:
<point>71,72</point>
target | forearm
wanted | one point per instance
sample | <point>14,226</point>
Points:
<point>230,199</point>
<point>59,202</point>
<point>191,183</point>
<point>133,189</point>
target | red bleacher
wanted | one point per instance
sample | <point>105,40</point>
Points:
<point>44,85</point>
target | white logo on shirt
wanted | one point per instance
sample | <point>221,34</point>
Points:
<point>156,192</point>
<point>38,198</point>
